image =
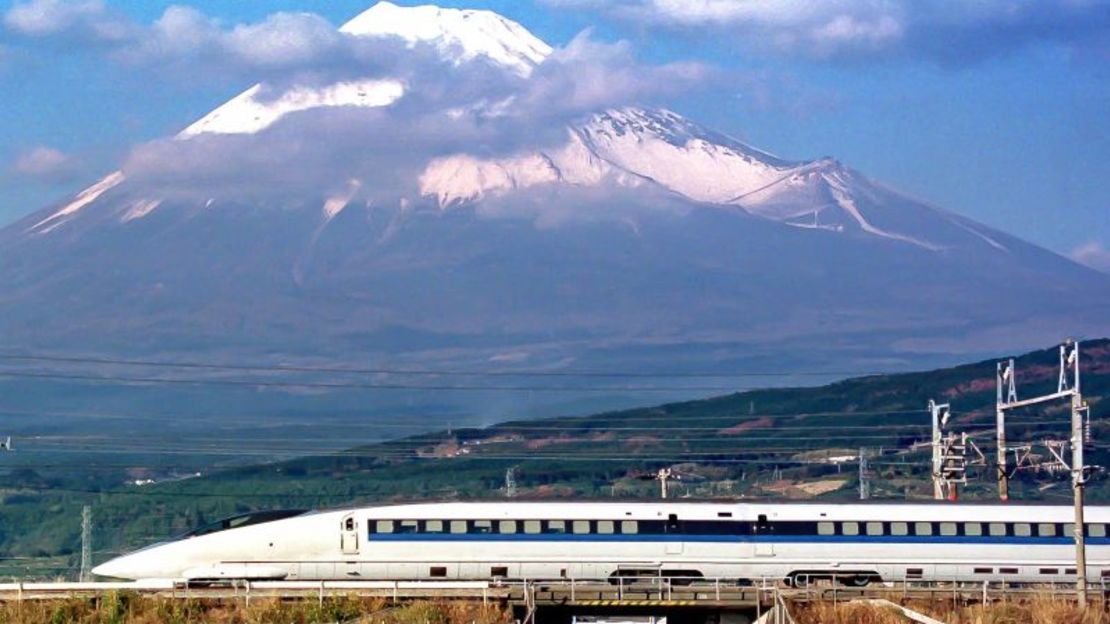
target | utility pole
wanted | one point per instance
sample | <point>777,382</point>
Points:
<point>1070,358</point>
<point>1067,387</point>
<point>1004,376</point>
<point>663,475</point>
<point>86,543</point>
<point>940,413</point>
<point>864,476</point>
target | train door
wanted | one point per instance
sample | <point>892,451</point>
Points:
<point>764,532</point>
<point>348,534</point>
<point>674,535</point>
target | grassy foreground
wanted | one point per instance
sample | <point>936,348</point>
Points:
<point>1037,611</point>
<point>126,608</point>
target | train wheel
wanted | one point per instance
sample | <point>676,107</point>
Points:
<point>859,580</point>
<point>797,580</point>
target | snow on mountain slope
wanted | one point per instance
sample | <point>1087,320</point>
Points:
<point>665,147</point>
<point>627,146</point>
<point>632,146</point>
<point>82,199</point>
<point>462,178</point>
<point>459,34</point>
<point>249,113</point>
<point>640,145</point>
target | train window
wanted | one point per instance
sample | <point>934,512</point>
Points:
<point>433,526</point>
<point>1069,570</point>
<point>458,526</point>
<point>874,528</point>
<point>556,526</point>
<point>1023,529</point>
<point>915,573</point>
<point>1007,570</point>
<point>1069,530</point>
<point>983,570</point>
<point>532,526</point>
<point>580,527</point>
<point>630,527</point>
<point>437,571</point>
<point>997,529</point>
<point>672,522</point>
<point>947,528</point>
<point>383,526</point>
<point>922,528</point>
<point>1046,529</point>
<point>501,571</point>
<point>1096,530</point>
<point>899,528</point>
<point>349,524</point>
<point>826,528</point>
<point>481,526</point>
<point>408,526</point>
<point>605,527</point>
<point>506,527</point>
<point>849,528</point>
<point>1050,570</point>
<point>973,529</point>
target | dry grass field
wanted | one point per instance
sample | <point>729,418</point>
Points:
<point>125,608</point>
<point>1037,611</point>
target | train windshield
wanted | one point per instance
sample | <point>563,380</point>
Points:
<point>242,520</point>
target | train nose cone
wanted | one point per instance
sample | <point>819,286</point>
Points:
<point>115,568</point>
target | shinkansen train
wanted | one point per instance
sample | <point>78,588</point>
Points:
<point>794,543</point>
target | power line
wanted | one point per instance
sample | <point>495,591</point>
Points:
<point>416,372</point>
<point>624,416</point>
<point>362,386</point>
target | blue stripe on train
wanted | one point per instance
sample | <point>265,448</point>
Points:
<point>802,539</point>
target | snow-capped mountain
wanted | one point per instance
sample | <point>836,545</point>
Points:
<point>640,239</point>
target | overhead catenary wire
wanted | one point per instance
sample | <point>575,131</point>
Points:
<point>390,420</point>
<point>555,429</point>
<point>269,383</point>
<point>73,359</point>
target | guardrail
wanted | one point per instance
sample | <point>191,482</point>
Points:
<point>662,592</point>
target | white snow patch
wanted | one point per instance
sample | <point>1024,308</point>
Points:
<point>987,239</point>
<point>460,35</point>
<point>844,200</point>
<point>246,114</point>
<point>140,209</point>
<point>84,198</point>
<point>461,177</point>
<point>334,205</point>
<point>664,147</point>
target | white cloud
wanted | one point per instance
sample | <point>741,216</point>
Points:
<point>43,161</point>
<point>183,36</point>
<point>89,18</point>
<point>1092,254</point>
<point>950,31</point>
<point>587,75</point>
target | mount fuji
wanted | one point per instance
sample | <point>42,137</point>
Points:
<point>625,238</point>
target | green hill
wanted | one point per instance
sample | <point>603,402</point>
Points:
<point>786,442</point>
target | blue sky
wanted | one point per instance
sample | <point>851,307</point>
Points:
<point>994,109</point>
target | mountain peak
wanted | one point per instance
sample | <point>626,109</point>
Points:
<point>462,34</point>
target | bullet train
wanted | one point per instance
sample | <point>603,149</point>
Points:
<point>632,541</point>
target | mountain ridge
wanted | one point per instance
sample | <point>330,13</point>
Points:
<point>636,235</point>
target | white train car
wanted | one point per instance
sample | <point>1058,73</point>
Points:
<point>854,543</point>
